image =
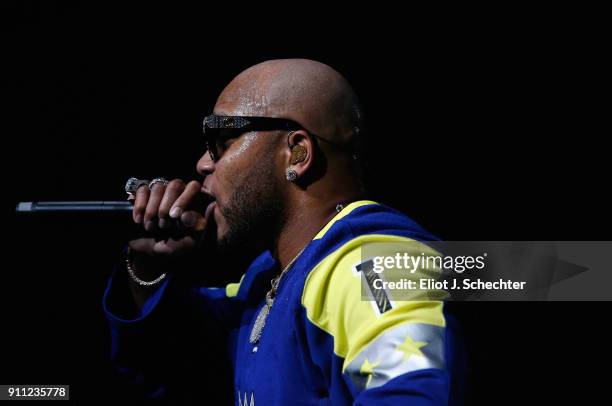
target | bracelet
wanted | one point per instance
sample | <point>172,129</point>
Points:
<point>139,281</point>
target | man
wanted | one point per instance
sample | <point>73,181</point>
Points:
<point>282,168</point>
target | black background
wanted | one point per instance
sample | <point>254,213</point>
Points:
<point>481,128</point>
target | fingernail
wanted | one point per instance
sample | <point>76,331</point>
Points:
<point>175,212</point>
<point>148,225</point>
<point>139,219</point>
<point>163,223</point>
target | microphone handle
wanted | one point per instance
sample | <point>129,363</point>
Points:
<point>74,207</point>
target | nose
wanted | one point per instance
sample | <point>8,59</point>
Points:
<point>205,165</point>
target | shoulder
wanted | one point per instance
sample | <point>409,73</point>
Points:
<point>339,296</point>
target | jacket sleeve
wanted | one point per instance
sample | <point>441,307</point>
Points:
<point>392,347</point>
<point>174,348</point>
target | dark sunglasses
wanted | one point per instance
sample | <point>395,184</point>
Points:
<point>219,129</point>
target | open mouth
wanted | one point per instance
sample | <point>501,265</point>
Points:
<point>210,203</point>
<point>210,196</point>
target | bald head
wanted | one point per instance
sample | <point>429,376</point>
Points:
<point>306,91</point>
<point>265,182</point>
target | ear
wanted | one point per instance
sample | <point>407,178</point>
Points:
<point>300,152</point>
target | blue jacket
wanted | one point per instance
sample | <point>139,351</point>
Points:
<point>329,338</point>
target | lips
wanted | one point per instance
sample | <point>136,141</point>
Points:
<point>209,195</point>
<point>211,202</point>
<point>210,210</point>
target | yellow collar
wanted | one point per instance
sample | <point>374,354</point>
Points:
<point>347,210</point>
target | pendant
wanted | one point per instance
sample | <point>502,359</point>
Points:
<point>260,322</point>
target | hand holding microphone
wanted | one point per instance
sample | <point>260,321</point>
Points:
<point>175,216</point>
<point>174,213</point>
<point>173,219</point>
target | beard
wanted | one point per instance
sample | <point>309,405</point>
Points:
<point>253,213</point>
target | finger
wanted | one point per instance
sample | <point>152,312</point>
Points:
<point>155,197</point>
<point>186,199</point>
<point>140,203</point>
<point>195,221</point>
<point>170,246</point>
<point>173,191</point>
<point>142,245</point>
<point>191,219</point>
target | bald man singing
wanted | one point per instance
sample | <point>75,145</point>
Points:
<point>306,323</point>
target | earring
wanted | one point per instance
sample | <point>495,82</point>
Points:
<point>291,175</point>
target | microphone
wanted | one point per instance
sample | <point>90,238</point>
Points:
<point>74,207</point>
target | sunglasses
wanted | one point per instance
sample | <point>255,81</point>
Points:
<point>219,129</point>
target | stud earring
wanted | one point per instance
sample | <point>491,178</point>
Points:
<point>291,175</point>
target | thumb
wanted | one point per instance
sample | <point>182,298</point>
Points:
<point>195,220</point>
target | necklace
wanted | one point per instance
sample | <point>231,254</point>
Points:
<point>260,321</point>
<point>262,316</point>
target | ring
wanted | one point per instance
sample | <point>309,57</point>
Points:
<point>132,185</point>
<point>157,180</point>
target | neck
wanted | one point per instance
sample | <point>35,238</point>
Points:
<point>304,220</point>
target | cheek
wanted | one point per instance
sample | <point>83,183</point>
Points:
<point>219,221</point>
<point>238,162</point>
<point>235,161</point>
<point>241,149</point>
<point>227,179</point>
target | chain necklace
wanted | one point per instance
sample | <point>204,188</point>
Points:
<point>262,316</point>
<point>260,321</point>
